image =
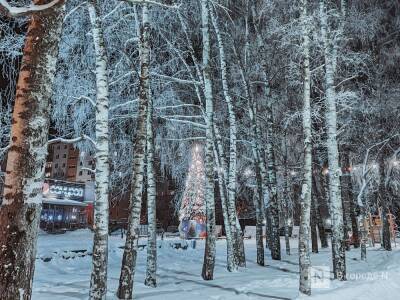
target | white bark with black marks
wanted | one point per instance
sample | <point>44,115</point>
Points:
<point>209,251</point>
<point>336,208</point>
<point>231,176</point>
<point>128,268</point>
<point>98,282</point>
<point>151,269</point>
<point>304,235</point>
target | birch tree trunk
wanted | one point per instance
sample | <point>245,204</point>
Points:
<point>209,251</point>
<point>313,225</point>
<point>319,193</point>
<point>363,210</point>
<point>220,161</point>
<point>98,282</point>
<point>22,201</point>
<point>363,232</point>
<point>347,191</point>
<point>386,243</point>
<point>128,268</point>
<point>304,235</point>
<point>270,170</point>
<point>260,180</point>
<point>338,243</point>
<point>286,206</point>
<point>272,184</point>
<point>231,204</point>
<point>259,198</point>
<point>151,278</point>
<point>230,257</point>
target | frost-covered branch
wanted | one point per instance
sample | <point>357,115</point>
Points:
<point>151,2</point>
<point>72,141</point>
<point>124,104</point>
<point>4,150</point>
<point>80,98</point>
<point>26,10</point>
<point>178,106</point>
<point>72,11</point>
<point>178,80</point>
<point>89,169</point>
<point>184,121</point>
<point>347,79</point>
<point>193,138</point>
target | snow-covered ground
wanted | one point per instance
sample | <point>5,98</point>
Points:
<point>179,273</point>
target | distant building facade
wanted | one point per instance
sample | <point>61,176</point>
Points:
<point>68,191</point>
<point>65,162</point>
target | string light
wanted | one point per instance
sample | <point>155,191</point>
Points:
<point>248,172</point>
<point>192,204</point>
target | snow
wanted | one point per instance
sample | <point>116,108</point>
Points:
<point>179,272</point>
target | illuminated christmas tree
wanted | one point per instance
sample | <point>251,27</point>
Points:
<point>192,212</point>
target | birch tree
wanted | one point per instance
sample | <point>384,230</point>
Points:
<point>231,186</point>
<point>338,243</point>
<point>304,235</point>
<point>26,158</point>
<point>128,268</point>
<point>151,267</point>
<point>98,282</point>
<point>209,251</point>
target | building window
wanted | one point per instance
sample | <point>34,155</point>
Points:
<point>90,163</point>
<point>81,164</point>
<point>63,165</point>
<point>88,172</point>
<point>80,173</point>
<point>57,156</point>
<point>58,147</point>
<point>65,146</point>
<point>56,166</point>
<point>64,155</point>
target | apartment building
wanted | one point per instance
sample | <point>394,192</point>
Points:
<point>65,162</point>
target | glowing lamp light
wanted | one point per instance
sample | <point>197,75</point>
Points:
<point>248,172</point>
<point>325,171</point>
<point>293,173</point>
